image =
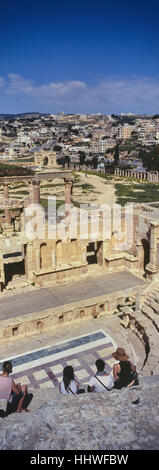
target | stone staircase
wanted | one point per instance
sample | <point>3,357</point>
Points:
<point>144,322</point>
<point>94,421</point>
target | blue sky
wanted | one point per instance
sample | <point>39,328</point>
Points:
<point>79,56</point>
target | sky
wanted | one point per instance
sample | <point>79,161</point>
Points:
<point>92,56</point>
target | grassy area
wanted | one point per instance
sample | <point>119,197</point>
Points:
<point>13,170</point>
<point>137,193</point>
<point>51,185</point>
<point>44,203</point>
<point>85,186</point>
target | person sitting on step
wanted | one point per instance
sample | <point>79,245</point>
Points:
<point>124,371</point>
<point>101,380</point>
<point>16,396</point>
<point>69,385</point>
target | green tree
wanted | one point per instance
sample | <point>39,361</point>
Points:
<point>82,156</point>
<point>57,148</point>
<point>116,155</point>
<point>95,161</point>
<point>150,159</point>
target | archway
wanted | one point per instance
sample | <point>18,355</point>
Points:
<point>45,161</point>
<point>73,247</point>
<point>146,252</point>
<point>43,248</point>
<point>95,253</point>
<point>59,251</point>
<point>12,270</point>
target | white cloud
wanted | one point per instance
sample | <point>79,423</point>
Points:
<point>18,84</point>
<point>112,94</point>
<point>1,81</point>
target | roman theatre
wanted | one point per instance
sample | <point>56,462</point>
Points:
<point>83,292</point>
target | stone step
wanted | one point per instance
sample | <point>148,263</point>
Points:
<point>153,364</point>
<point>155,296</point>
<point>139,350</point>
<point>151,333</point>
<point>153,304</point>
<point>147,309</point>
<point>151,380</point>
<point>127,310</point>
<point>152,316</point>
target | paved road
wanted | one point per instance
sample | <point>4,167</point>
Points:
<point>45,298</point>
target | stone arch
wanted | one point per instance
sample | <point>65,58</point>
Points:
<point>82,314</point>
<point>43,250</point>
<point>146,251</point>
<point>59,250</point>
<point>45,161</point>
<point>73,246</point>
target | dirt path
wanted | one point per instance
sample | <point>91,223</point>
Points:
<point>104,193</point>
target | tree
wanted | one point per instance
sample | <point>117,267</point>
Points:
<point>69,127</point>
<point>57,148</point>
<point>116,154</point>
<point>150,158</point>
<point>95,161</point>
<point>82,157</point>
<point>67,160</point>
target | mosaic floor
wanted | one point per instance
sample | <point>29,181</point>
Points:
<point>43,368</point>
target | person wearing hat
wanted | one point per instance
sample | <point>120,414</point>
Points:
<point>123,371</point>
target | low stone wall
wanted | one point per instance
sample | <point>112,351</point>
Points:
<point>119,261</point>
<point>43,277</point>
<point>95,421</point>
<point>52,318</point>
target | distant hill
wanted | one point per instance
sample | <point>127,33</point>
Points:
<point>8,117</point>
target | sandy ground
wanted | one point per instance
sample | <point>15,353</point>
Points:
<point>104,193</point>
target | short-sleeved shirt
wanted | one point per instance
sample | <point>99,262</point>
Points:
<point>5,388</point>
<point>72,390</point>
<point>106,380</point>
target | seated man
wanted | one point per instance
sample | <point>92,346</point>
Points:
<point>101,381</point>
<point>16,396</point>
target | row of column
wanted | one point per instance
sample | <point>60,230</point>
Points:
<point>34,196</point>
<point>152,176</point>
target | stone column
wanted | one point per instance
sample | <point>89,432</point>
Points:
<point>38,259</point>
<point>68,194</point>
<point>152,267</point>
<point>7,211</point>
<point>2,274</point>
<point>31,195</point>
<point>140,256</point>
<point>36,192</point>
<point>29,262</point>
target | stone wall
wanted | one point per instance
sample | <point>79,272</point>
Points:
<point>33,323</point>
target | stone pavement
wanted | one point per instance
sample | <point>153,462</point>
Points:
<point>38,361</point>
<point>45,298</point>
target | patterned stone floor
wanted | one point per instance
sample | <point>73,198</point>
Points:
<point>43,368</point>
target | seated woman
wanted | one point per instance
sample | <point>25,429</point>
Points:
<point>69,386</point>
<point>124,371</point>
<point>101,380</point>
<point>16,396</point>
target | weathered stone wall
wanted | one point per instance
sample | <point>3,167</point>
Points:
<point>30,324</point>
<point>100,421</point>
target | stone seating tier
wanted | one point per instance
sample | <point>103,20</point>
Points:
<point>94,421</point>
